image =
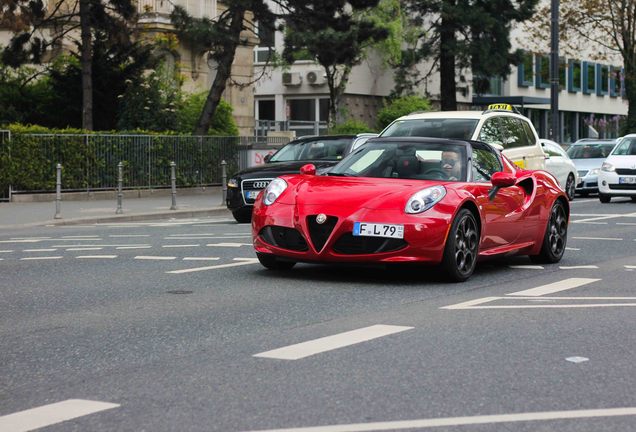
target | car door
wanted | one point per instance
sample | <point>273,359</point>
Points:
<point>503,217</point>
<point>555,162</point>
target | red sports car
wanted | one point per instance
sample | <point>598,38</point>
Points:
<point>412,200</point>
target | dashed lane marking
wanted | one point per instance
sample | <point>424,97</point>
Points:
<point>625,223</point>
<point>228,244</point>
<point>562,285</point>
<point>41,258</point>
<point>526,267</point>
<point>480,303</point>
<point>101,245</point>
<point>51,414</point>
<point>572,249</point>
<point>181,246</point>
<point>464,421</point>
<point>30,238</point>
<point>6,251</point>
<point>598,238</point>
<point>582,267</point>
<point>242,261</point>
<point>630,266</point>
<point>20,241</point>
<point>83,249</point>
<point>201,259</point>
<point>80,237</point>
<point>157,258</point>
<point>134,247</point>
<point>207,237</point>
<point>128,235</point>
<point>329,343</point>
<point>96,257</point>
<point>39,250</point>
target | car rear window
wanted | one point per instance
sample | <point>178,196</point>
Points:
<point>432,128</point>
<point>318,149</point>
<point>590,150</point>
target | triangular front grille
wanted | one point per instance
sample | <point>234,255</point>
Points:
<point>320,233</point>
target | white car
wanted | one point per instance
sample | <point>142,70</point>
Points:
<point>618,173</point>
<point>498,126</point>
<point>559,164</point>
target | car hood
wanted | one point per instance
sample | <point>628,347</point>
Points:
<point>627,161</point>
<point>588,164</point>
<point>275,169</point>
<point>350,193</point>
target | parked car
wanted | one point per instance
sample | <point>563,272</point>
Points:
<point>499,126</point>
<point>588,156</point>
<point>412,200</point>
<point>559,164</point>
<point>322,151</point>
<point>618,173</point>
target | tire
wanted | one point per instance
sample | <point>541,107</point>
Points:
<point>462,247</point>
<point>243,215</point>
<point>570,187</point>
<point>604,198</point>
<point>555,237</point>
<point>270,262</point>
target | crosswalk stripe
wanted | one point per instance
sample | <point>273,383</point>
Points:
<point>316,346</point>
<point>51,414</point>
<point>243,261</point>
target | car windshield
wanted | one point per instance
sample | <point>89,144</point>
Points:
<point>627,147</point>
<point>405,160</point>
<point>590,150</point>
<point>433,128</point>
<point>315,149</point>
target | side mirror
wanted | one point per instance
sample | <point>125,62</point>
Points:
<point>267,157</point>
<point>503,179</point>
<point>309,169</point>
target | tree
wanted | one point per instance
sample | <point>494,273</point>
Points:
<point>604,30</point>
<point>458,34</point>
<point>220,37</point>
<point>335,33</point>
<point>40,27</point>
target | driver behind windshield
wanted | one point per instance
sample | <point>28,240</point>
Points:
<point>451,164</point>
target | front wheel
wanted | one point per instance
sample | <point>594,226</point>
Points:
<point>556,236</point>
<point>604,198</point>
<point>570,187</point>
<point>462,246</point>
<point>272,263</point>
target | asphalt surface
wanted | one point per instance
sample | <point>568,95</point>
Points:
<point>172,322</point>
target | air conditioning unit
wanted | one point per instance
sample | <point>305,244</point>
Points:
<point>316,78</point>
<point>292,78</point>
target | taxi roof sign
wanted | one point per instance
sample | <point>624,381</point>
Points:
<point>500,107</point>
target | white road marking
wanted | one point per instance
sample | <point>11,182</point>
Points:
<point>563,285</point>
<point>625,223</point>
<point>6,251</point>
<point>90,237</point>
<point>20,241</point>
<point>591,223</point>
<point>190,235</point>
<point>243,261</point>
<point>181,246</point>
<point>146,257</point>
<point>597,218</point>
<point>101,245</point>
<point>577,359</point>
<point>228,244</point>
<point>74,239</point>
<point>128,235</point>
<point>51,414</point>
<point>598,238</point>
<point>96,257</point>
<point>39,250</point>
<point>572,249</point>
<point>41,258</point>
<point>134,247</point>
<point>469,304</point>
<point>201,258</point>
<point>630,267</point>
<point>84,249</point>
<point>30,238</point>
<point>476,304</point>
<point>463,421</point>
<point>578,267</point>
<point>528,267</point>
<point>207,237</point>
<point>328,343</point>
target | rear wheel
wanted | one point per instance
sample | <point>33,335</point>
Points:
<point>462,246</point>
<point>272,263</point>
<point>555,238</point>
<point>570,187</point>
<point>604,198</point>
<point>243,215</point>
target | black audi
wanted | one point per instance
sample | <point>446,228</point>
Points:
<point>322,151</point>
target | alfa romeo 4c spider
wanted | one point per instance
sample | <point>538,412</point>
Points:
<point>412,200</point>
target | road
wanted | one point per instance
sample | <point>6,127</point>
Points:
<point>174,326</point>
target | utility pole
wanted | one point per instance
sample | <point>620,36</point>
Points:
<point>555,130</point>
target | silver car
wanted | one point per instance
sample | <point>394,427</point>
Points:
<point>588,156</point>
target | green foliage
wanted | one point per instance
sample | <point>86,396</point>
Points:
<point>22,96</point>
<point>350,127</point>
<point>399,107</point>
<point>223,123</point>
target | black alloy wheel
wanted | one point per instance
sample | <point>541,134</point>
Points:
<point>462,247</point>
<point>570,187</point>
<point>556,236</point>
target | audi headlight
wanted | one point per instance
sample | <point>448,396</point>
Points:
<point>273,190</point>
<point>233,183</point>
<point>608,167</point>
<point>425,199</point>
<point>594,171</point>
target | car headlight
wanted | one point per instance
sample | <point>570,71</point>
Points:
<point>273,190</point>
<point>593,171</point>
<point>608,167</point>
<point>233,183</point>
<point>425,199</point>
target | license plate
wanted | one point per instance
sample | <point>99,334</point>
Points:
<point>252,194</point>
<point>378,230</point>
<point>627,180</point>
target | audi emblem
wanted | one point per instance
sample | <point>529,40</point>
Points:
<point>260,184</point>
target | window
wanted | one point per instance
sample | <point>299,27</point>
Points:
<point>543,72</point>
<point>529,133</point>
<point>433,127</point>
<point>485,164</point>
<point>574,78</point>
<point>265,47</point>
<point>589,78</point>
<point>266,110</point>
<point>514,133</point>
<point>525,70</point>
<point>491,132</point>
<point>552,150</point>
<point>562,74</point>
<point>602,79</point>
<point>616,81</point>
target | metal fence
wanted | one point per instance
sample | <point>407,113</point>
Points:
<point>90,161</point>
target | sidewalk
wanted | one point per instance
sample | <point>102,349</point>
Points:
<point>199,203</point>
